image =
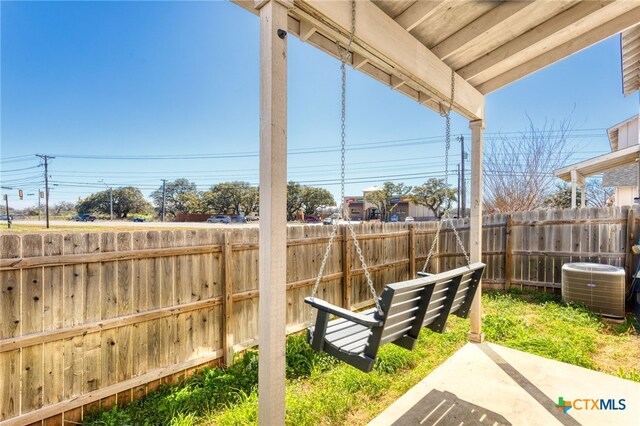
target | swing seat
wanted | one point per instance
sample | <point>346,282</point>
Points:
<point>405,307</point>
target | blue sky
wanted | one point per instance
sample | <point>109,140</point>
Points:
<point>181,78</point>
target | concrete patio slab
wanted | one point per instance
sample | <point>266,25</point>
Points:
<point>493,385</point>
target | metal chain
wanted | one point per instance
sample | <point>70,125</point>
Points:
<point>433,246</point>
<point>445,217</point>
<point>345,55</point>
<point>447,116</point>
<point>458,239</point>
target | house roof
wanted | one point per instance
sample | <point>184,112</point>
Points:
<point>601,164</point>
<point>612,132</point>
<point>630,53</point>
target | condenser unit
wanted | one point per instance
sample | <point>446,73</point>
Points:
<point>599,287</point>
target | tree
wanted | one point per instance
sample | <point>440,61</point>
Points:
<point>595,195</point>
<point>252,200</point>
<point>176,195</point>
<point>126,200</point>
<point>434,194</point>
<point>63,206</point>
<point>313,198</point>
<point>388,197</point>
<point>560,198</point>
<point>27,211</point>
<point>295,201</point>
<point>231,197</point>
<point>518,170</point>
<point>192,202</point>
<point>598,195</point>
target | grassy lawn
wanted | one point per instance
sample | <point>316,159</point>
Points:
<point>323,391</point>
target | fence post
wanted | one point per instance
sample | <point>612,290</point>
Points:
<point>346,269</point>
<point>227,303</point>
<point>628,261</point>
<point>412,251</point>
<point>508,255</point>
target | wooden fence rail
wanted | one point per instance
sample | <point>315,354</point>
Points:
<point>89,320</point>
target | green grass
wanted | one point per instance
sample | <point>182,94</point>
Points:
<point>321,390</point>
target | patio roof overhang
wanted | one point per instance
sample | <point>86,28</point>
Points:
<point>601,164</point>
<point>412,46</point>
<point>630,52</point>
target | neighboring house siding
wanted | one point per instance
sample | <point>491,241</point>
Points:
<point>623,176</point>
<point>625,195</point>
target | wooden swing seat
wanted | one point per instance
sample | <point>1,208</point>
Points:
<point>406,307</point>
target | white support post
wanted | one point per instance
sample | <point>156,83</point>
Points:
<point>578,180</point>
<point>273,201</point>
<point>475,231</point>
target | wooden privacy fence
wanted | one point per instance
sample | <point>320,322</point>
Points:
<point>88,320</point>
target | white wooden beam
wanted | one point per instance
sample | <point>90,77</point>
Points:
<point>494,20</point>
<point>359,61</point>
<point>475,224</point>
<point>418,12</point>
<point>273,222</point>
<point>396,82</point>
<point>306,30</point>
<point>562,51</point>
<point>423,98</point>
<point>390,47</point>
<point>564,27</point>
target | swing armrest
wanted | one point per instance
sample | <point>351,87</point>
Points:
<point>321,305</point>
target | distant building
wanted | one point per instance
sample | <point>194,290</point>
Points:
<point>619,167</point>
<point>623,179</point>
<point>360,209</point>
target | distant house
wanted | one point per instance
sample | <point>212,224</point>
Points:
<point>360,209</point>
<point>619,167</point>
<point>624,179</point>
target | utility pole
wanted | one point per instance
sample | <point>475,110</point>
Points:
<point>463,185</point>
<point>164,198</point>
<point>459,197</point>
<point>110,198</point>
<point>46,158</point>
<point>6,200</point>
<point>39,204</point>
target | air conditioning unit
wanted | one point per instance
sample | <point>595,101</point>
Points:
<point>599,287</point>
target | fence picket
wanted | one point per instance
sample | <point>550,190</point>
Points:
<point>77,288</point>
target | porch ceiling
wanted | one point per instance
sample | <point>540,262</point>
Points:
<point>412,46</point>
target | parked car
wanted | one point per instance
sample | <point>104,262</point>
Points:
<point>4,217</point>
<point>252,217</point>
<point>138,219</point>
<point>85,217</point>
<point>409,219</point>
<point>335,217</point>
<point>221,218</point>
<point>311,219</point>
<point>394,218</point>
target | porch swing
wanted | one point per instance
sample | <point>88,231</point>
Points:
<point>403,308</point>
